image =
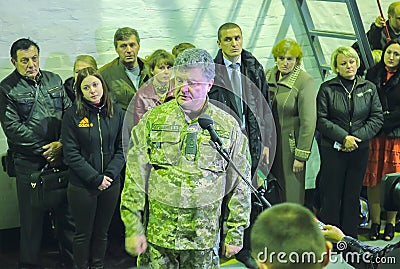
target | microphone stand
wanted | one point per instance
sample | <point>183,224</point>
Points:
<point>263,203</point>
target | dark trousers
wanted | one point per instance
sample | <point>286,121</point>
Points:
<point>31,218</point>
<point>245,252</point>
<point>116,232</point>
<point>92,212</point>
<point>340,185</point>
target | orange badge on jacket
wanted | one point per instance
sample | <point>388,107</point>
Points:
<point>84,123</point>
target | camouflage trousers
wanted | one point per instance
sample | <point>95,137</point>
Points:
<point>157,257</point>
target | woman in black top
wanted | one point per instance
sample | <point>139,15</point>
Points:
<point>92,139</point>
<point>384,155</point>
<point>349,113</point>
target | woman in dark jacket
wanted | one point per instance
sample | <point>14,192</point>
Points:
<point>349,113</point>
<point>92,139</point>
<point>384,155</point>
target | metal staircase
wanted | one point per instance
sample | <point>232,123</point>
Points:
<point>301,8</point>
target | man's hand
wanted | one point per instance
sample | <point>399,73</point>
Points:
<point>52,152</point>
<point>230,250</point>
<point>332,233</point>
<point>136,245</point>
<point>379,22</point>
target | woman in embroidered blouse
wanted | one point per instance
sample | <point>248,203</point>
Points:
<point>294,110</point>
<point>384,155</point>
<point>157,90</point>
<point>349,115</point>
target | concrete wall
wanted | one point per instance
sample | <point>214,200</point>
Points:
<point>65,29</point>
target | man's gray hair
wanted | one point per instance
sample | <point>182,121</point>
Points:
<point>195,57</point>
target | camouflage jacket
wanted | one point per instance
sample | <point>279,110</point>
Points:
<point>170,158</point>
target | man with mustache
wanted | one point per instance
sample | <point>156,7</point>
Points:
<point>32,103</point>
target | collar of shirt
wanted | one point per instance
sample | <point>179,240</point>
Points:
<point>228,63</point>
<point>134,75</point>
<point>228,68</point>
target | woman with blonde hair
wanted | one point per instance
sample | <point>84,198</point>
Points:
<point>293,94</point>
<point>349,115</point>
<point>81,61</point>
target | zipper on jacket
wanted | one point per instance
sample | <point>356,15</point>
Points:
<point>101,143</point>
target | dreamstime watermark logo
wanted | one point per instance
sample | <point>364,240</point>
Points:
<point>353,257</point>
<point>291,257</point>
<point>308,257</point>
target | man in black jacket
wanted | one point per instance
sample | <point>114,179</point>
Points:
<point>377,35</point>
<point>248,102</point>
<point>32,102</point>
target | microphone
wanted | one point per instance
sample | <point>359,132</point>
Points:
<point>206,123</point>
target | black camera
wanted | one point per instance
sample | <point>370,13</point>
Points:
<point>390,192</point>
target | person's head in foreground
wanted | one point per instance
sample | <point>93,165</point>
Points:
<point>287,236</point>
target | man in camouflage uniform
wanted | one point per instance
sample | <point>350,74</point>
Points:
<point>175,180</point>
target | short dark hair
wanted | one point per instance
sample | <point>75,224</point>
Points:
<point>21,44</point>
<point>124,34</point>
<point>226,26</point>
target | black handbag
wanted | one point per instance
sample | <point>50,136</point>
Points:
<point>271,188</point>
<point>49,187</point>
<point>8,163</point>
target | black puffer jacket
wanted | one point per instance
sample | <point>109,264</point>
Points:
<point>377,36</point>
<point>255,94</point>
<point>93,145</point>
<point>339,116</point>
<point>69,88</point>
<point>16,102</point>
<point>389,94</point>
